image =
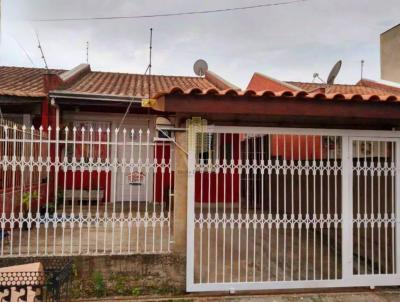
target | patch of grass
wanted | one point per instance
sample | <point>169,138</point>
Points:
<point>75,291</point>
<point>119,284</point>
<point>99,284</point>
<point>135,291</point>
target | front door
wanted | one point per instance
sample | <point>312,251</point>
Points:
<point>135,155</point>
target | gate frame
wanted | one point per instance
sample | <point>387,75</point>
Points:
<point>348,279</point>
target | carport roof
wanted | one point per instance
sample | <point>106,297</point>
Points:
<point>285,94</point>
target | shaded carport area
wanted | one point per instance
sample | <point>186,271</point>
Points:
<point>315,206</point>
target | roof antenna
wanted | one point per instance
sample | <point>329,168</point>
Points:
<point>362,68</point>
<point>149,77</point>
<point>334,72</point>
<point>41,51</point>
<point>316,76</point>
<point>150,49</point>
<point>148,70</point>
<point>87,52</point>
<point>200,67</point>
<point>0,21</point>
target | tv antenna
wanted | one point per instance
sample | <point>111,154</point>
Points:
<point>148,70</point>
<point>87,52</point>
<point>334,72</point>
<point>41,51</point>
<point>200,67</point>
<point>150,54</point>
<point>316,76</point>
<point>362,68</point>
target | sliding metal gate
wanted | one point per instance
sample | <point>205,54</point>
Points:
<point>289,208</point>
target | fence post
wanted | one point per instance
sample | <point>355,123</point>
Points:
<point>180,193</point>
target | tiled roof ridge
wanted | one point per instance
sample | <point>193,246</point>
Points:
<point>133,84</point>
<point>218,81</point>
<point>279,82</point>
<point>323,84</point>
<point>369,87</point>
<point>359,83</point>
<point>141,74</point>
<point>377,85</point>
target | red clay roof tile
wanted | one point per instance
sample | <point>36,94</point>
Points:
<point>373,84</point>
<point>28,82</point>
<point>287,94</point>
<point>358,88</point>
<point>135,85</point>
<point>260,82</point>
<point>23,81</point>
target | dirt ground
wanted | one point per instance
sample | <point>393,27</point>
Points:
<point>386,295</point>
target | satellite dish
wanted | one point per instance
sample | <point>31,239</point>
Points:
<point>334,72</point>
<point>200,67</point>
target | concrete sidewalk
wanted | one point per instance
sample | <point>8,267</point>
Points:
<point>389,295</point>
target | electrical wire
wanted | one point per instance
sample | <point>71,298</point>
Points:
<point>200,12</point>
<point>130,104</point>
<point>24,50</point>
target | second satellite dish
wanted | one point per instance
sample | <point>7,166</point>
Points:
<point>334,72</point>
<point>200,67</point>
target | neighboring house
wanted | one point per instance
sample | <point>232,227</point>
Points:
<point>82,102</point>
<point>23,101</point>
<point>24,94</point>
<point>84,99</point>
<point>390,55</point>
<point>364,87</point>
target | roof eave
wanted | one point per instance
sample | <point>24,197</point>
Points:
<point>65,94</point>
<point>287,107</point>
<point>17,100</point>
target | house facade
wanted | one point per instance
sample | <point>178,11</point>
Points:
<point>282,185</point>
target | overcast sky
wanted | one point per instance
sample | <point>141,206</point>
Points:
<point>289,42</point>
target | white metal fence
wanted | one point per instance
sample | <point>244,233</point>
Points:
<point>290,208</point>
<point>84,191</point>
<point>374,204</point>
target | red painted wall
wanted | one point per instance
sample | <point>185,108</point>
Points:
<point>163,184</point>
<point>224,187</point>
<point>207,184</point>
<point>298,147</point>
<point>209,187</point>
